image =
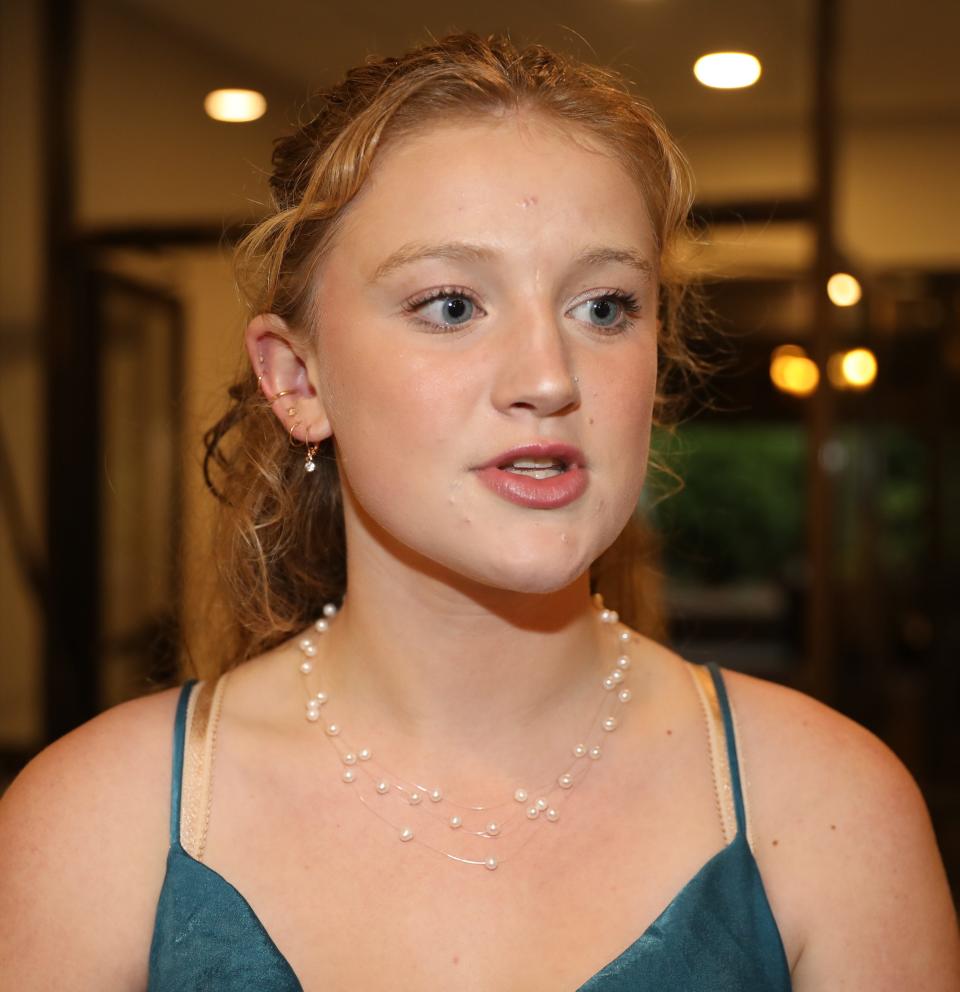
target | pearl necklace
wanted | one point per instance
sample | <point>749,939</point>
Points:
<point>360,759</point>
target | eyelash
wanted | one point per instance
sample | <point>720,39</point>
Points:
<point>411,307</point>
<point>627,301</point>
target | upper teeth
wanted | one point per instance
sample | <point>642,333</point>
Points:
<point>536,463</point>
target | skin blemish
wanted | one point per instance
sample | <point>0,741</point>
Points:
<point>528,201</point>
<point>833,826</point>
<point>775,842</point>
<point>669,731</point>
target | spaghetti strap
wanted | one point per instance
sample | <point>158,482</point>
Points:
<point>179,732</point>
<point>732,761</point>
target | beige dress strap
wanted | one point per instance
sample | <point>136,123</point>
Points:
<point>719,753</point>
<point>196,788</point>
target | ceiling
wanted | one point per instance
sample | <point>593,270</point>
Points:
<point>895,59</point>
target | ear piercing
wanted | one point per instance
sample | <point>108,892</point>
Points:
<point>309,465</point>
<point>274,398</point>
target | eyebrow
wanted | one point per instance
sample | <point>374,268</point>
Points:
<point>458,251</point>
<point>462,251</point>
<point>624,256</point>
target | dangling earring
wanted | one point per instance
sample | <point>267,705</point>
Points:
<point>309,465</point>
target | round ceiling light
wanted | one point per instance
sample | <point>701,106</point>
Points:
<point>843,289</point>
<point>727,70</point>
<point>235,106</point>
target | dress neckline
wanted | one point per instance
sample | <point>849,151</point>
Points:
<point>724,852</point>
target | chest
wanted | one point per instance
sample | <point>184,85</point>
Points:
<point>350,906</point>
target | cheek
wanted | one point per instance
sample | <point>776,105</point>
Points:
<point>621,417</point>
<point>626,391</point>
<point>390,412</point>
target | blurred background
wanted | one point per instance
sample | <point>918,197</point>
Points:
<point>816,541</point>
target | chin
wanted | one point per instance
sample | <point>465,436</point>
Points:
<point>535,573</point>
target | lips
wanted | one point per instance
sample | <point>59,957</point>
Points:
<point>570,456</point>
<point>540,494</point>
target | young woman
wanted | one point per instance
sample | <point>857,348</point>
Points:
<point>432,759</point>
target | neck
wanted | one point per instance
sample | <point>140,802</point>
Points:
<point>467,687</point>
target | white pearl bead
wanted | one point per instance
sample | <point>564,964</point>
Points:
<point>616,675</point>
<point>313,715</point>
<point>435,795</point>
<point>520,795</point>
<point>349,758</point>
<point>606,616</point>
<point>493,829</point>
<point>415,797</point>
<point>348,775</point>
<point>383,786</point>
<point>320,626</point>
<point>490,862</point>
<point>364,754</point>
<point>330,610</point>
<point>610,723</point>
<point>542,804</point>
<point>624,695</point>
<point>333,729</point>
<point>580,750</point>
<point>321,697</point>
<point>552,815</point>
<point>305,643</point>
<point>623,662</point>
<point>532,812</point>
<point>624,636</point>
<point>595,752</point>
<point>406,834</point>
<point>565,780</point>
<point>306,667</point>
<point>310,651</point>
<point>455,821</point>
<point>608,683</point>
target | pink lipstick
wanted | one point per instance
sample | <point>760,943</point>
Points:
<point>541,475</point>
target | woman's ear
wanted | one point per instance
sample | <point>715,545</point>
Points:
<point>284,379</point>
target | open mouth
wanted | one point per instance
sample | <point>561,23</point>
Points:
<point>535,468</point>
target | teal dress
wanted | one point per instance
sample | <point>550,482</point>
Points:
<point>717,934</point>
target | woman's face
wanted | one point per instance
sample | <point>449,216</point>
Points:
<point>493,285</point>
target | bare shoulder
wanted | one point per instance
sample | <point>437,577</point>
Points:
<point>84,831</point>
<point>842,830</point>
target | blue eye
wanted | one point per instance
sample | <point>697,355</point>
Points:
<point>446,309</point>
<point>610,310</point>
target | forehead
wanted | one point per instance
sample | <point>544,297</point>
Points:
<point>520,179</point>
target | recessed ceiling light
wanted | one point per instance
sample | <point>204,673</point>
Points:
<point>235,106</point>
<point>843,289</point>
<point>727,70</point>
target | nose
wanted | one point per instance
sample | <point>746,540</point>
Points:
<point>535,368</point>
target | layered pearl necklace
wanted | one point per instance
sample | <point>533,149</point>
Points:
<point>584,753</point>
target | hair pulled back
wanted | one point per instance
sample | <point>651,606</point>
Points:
<point>281,543</point>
